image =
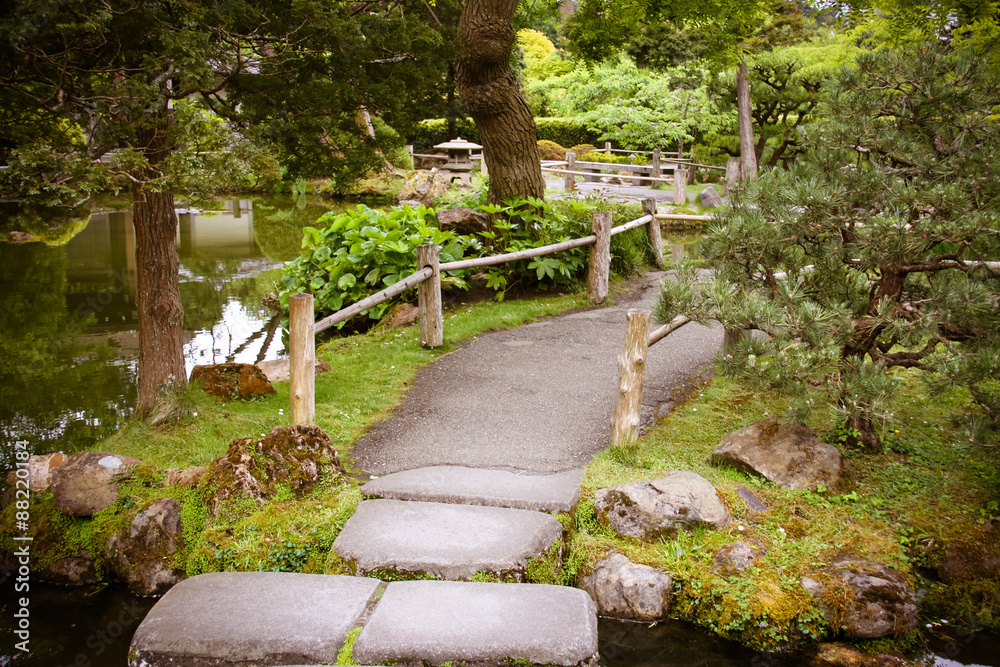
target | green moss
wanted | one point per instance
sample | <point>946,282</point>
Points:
<point>546,568</point>
<point>345,656</point>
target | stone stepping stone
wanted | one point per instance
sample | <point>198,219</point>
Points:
<point>476,486</point>
<point>241,618</point>
<point>444,541</point>
<point>441,621</point>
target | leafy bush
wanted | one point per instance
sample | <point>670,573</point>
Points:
<point>362,252</point>
<point>433,131</point>
<point>522,224</point>
<point>393,146</point>
<point>550,150</point>
<point>612,158</point>
<point>565,131</point>
<point>583,149</point>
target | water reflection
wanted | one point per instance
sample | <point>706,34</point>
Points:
<point>68,320</point>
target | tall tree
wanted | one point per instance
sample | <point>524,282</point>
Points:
<point>492,95</point>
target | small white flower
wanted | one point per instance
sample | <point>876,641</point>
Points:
<point>930,625</point>
<point>195,414</point>
<point>694,409</point>
<point>781,530</point>
<point>740,527</point>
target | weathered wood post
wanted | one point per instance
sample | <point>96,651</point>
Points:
<point>680,186</point>
<point>569,183</point>
<point>732,175</point>
<point>429,297</point>
<point>302,359</point>
<point>600,258</point>
<point>653,228</point>
<point>657,171</point>
<point>631,373</point>
<point>607,147</point>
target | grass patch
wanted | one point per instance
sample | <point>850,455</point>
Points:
<point>929,486</point>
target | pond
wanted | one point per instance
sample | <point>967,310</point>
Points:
<point>68,323</point>
<point>68,342</point>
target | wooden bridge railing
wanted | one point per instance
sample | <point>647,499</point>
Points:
<point>427,278</point>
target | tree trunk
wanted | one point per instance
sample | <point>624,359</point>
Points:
<point>491,95</point>
<point>158,299</point>
<point>748,154</point>
<point>862,435</point>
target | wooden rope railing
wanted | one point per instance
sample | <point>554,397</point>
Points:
<point>303,328</point>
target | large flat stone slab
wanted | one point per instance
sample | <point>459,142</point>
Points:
<point>251,618</point>
<point>440,621</point>
<point>444,541</point>
<point>476,486</point>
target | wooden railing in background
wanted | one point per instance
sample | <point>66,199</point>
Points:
<point>427,279</point>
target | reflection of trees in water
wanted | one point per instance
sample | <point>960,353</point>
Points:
<point>54,385</point>
<point>204,300</point>
<point>278,224</point>
<point>53,225</point>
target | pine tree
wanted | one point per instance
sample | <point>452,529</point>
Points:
<point>877,251</point>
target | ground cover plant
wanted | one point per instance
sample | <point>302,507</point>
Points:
<point>929,487</point>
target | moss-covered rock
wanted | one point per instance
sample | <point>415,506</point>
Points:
<point>255,469</point>
<point>232,381</point>
<point>142,553</point>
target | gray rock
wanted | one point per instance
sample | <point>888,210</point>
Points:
<point>188,477</point>
<point>475,486</point>
<point>251,618</point>
<point>39,471</point>
<point>232,381</point>
<point>788,455</point>
<point>444,541</point>
<point>424,186</point>
<point>141,555</point>
<point>20,237</point>
<point>82,486</point>
<point>734,558</point>
<point>277,370</point>
<point>876,601</point>
<point>753,503</point>
<point>479,624</point>
<point>709,198</point>
<point>659,508</point>
<point>462,220</point>
<point>623,589</point>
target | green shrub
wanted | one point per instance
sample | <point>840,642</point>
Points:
<point>433,131</point>
<point>550,150</point>
<point>393,146</point>
<point>362,252</point>
<point>612,158</point>
<point>565,131</point>
<point>583,149</point>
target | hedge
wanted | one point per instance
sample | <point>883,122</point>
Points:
<point>563,131</point>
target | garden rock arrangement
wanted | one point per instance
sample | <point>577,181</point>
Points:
<point>661,507</point>
<point>866,599</point>
<point>790,456</point>
<point>232,381</point>
<point>141,553</point>
<point>423,187</point>
<point>623,589</point>
<point>709,198</point>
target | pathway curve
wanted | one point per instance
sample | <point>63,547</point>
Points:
<point>537,398</point>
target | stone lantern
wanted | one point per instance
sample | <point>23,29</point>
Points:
<point>459,164</point>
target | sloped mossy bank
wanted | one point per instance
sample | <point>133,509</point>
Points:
<point>921,510</point>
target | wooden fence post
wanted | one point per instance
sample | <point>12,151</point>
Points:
<point>649,208</point>
<point>631,373</point>
<point>657,170</point>
<point>429,297</point>
<point>680,186</point>
<point>302,359</point>
<point>569,183</point>
<point>732,175</point>
<point>600,258</point>
<point>607,147</point>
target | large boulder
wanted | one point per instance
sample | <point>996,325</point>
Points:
<point>709,198</point>
<point>279,370</point>
<point>659,508</point>
<point>623,589</point>
<point>788,455</point>
<point>462,220</point>
<point>293,456</point>
<point>864,598</point>
<point>142,553</point>
<point>424,186</point>
<point>84,485</point>
<point>230,381</point>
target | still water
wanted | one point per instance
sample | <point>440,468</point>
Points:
<point>68,354</point>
